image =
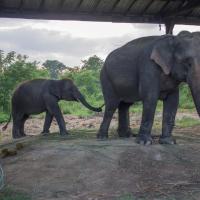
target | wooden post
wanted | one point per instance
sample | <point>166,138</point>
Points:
<point>169,26</point>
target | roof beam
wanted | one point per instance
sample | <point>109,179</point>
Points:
<point>164,7</point>
<point>147,6</point>
<point>41,6</point>
<point>87,16</point>
<point>186,7</point>
<point>21,4</point>
<point>79,5</point>
<point>115,5</point>
<point>188,13</point>
<point>130,6</point>
<point>1,5</point>
<point>96,5</point>
<point>61,3</point>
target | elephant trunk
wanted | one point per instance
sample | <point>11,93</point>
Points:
<point>79,97</point>
<point>193,81</point>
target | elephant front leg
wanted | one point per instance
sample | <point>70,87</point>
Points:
<point>54,110</point>
<point>144,136</point>
<point>124,121</point>
<point>170,105</point>
<point>47,123</point>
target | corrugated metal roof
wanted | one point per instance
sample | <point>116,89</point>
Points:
<point>148,11</point>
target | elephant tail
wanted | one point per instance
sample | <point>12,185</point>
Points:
<point>5,127</point>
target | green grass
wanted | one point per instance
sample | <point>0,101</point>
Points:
<point>126,197</point>
<point>129,197</point>
<point>76,108</point>
<point>4,117</point>
<point>187,122</point>
<point>10,194</point>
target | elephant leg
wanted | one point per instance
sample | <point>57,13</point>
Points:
<point>47,123</point>
<point>54,110</point>
<point>124,121</point>
<point>170,106</point>
<point>23,120</point>
<point>17,124</point>
<point>149,107</point>
<point>109,111</point>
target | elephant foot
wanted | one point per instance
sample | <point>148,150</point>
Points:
<point>64,133</point>
<point>125,133</point>
<point>17,136</point>
<point>167,140</point>
<point>144,139</point>
<point>102,135</point>
<point>45,133</point>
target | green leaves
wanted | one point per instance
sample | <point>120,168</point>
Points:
<point>14,69</point>
<point>93,63</point>
<point>54,67</point>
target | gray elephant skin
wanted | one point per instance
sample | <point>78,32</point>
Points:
<point>148,69</point>
<point>41,95</point>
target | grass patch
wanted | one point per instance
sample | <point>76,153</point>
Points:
<point>10,194</point>
<point>129,197</point>
<point>4,117</point>
<point>187,122</point>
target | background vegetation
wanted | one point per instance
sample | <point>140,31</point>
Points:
<point>16,68</point>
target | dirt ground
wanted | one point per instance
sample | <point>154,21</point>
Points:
<point>83,168</point>
<point>33,126</point>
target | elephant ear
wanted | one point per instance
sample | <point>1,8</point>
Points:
<point>55,88</point>
<point>162,53</point>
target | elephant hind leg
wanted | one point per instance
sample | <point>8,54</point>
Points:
<point>108,114</point>
<point>112,102</point>
<point>124,121</point>
<point>18,126</point>
<point>23,120</point>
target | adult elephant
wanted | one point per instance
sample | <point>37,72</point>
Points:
<point>148,69</point>
<point>41,95</point>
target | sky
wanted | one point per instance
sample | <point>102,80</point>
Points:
<point>72,41</point>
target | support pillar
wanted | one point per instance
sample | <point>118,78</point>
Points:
<point>169,26</point>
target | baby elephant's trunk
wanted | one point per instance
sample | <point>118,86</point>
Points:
<point>81,99</point>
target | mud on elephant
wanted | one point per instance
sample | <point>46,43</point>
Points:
<point>41,95</point>
<point>148,69</point>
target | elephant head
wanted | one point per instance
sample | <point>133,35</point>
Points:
<point>179,57</point>
<point>66,90</point>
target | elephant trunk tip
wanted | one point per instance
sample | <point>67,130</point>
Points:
<point>100,108</point>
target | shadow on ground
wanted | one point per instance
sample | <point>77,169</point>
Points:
<point>71,168</point>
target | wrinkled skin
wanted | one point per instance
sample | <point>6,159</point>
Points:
<point>41,95</point>
<point>148,69</point>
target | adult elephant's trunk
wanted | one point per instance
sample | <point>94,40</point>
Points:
<point>194,84</point>
<point>79,97</point>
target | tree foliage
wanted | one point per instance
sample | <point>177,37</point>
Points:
<point>15,69</point>
<point>54,67</point>
<point>92,63</point>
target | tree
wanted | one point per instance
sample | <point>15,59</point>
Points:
<point>14,69</point>
<point>92,63</point>
<point>54,67</point>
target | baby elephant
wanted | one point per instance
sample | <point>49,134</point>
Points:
<point>39,95</point>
